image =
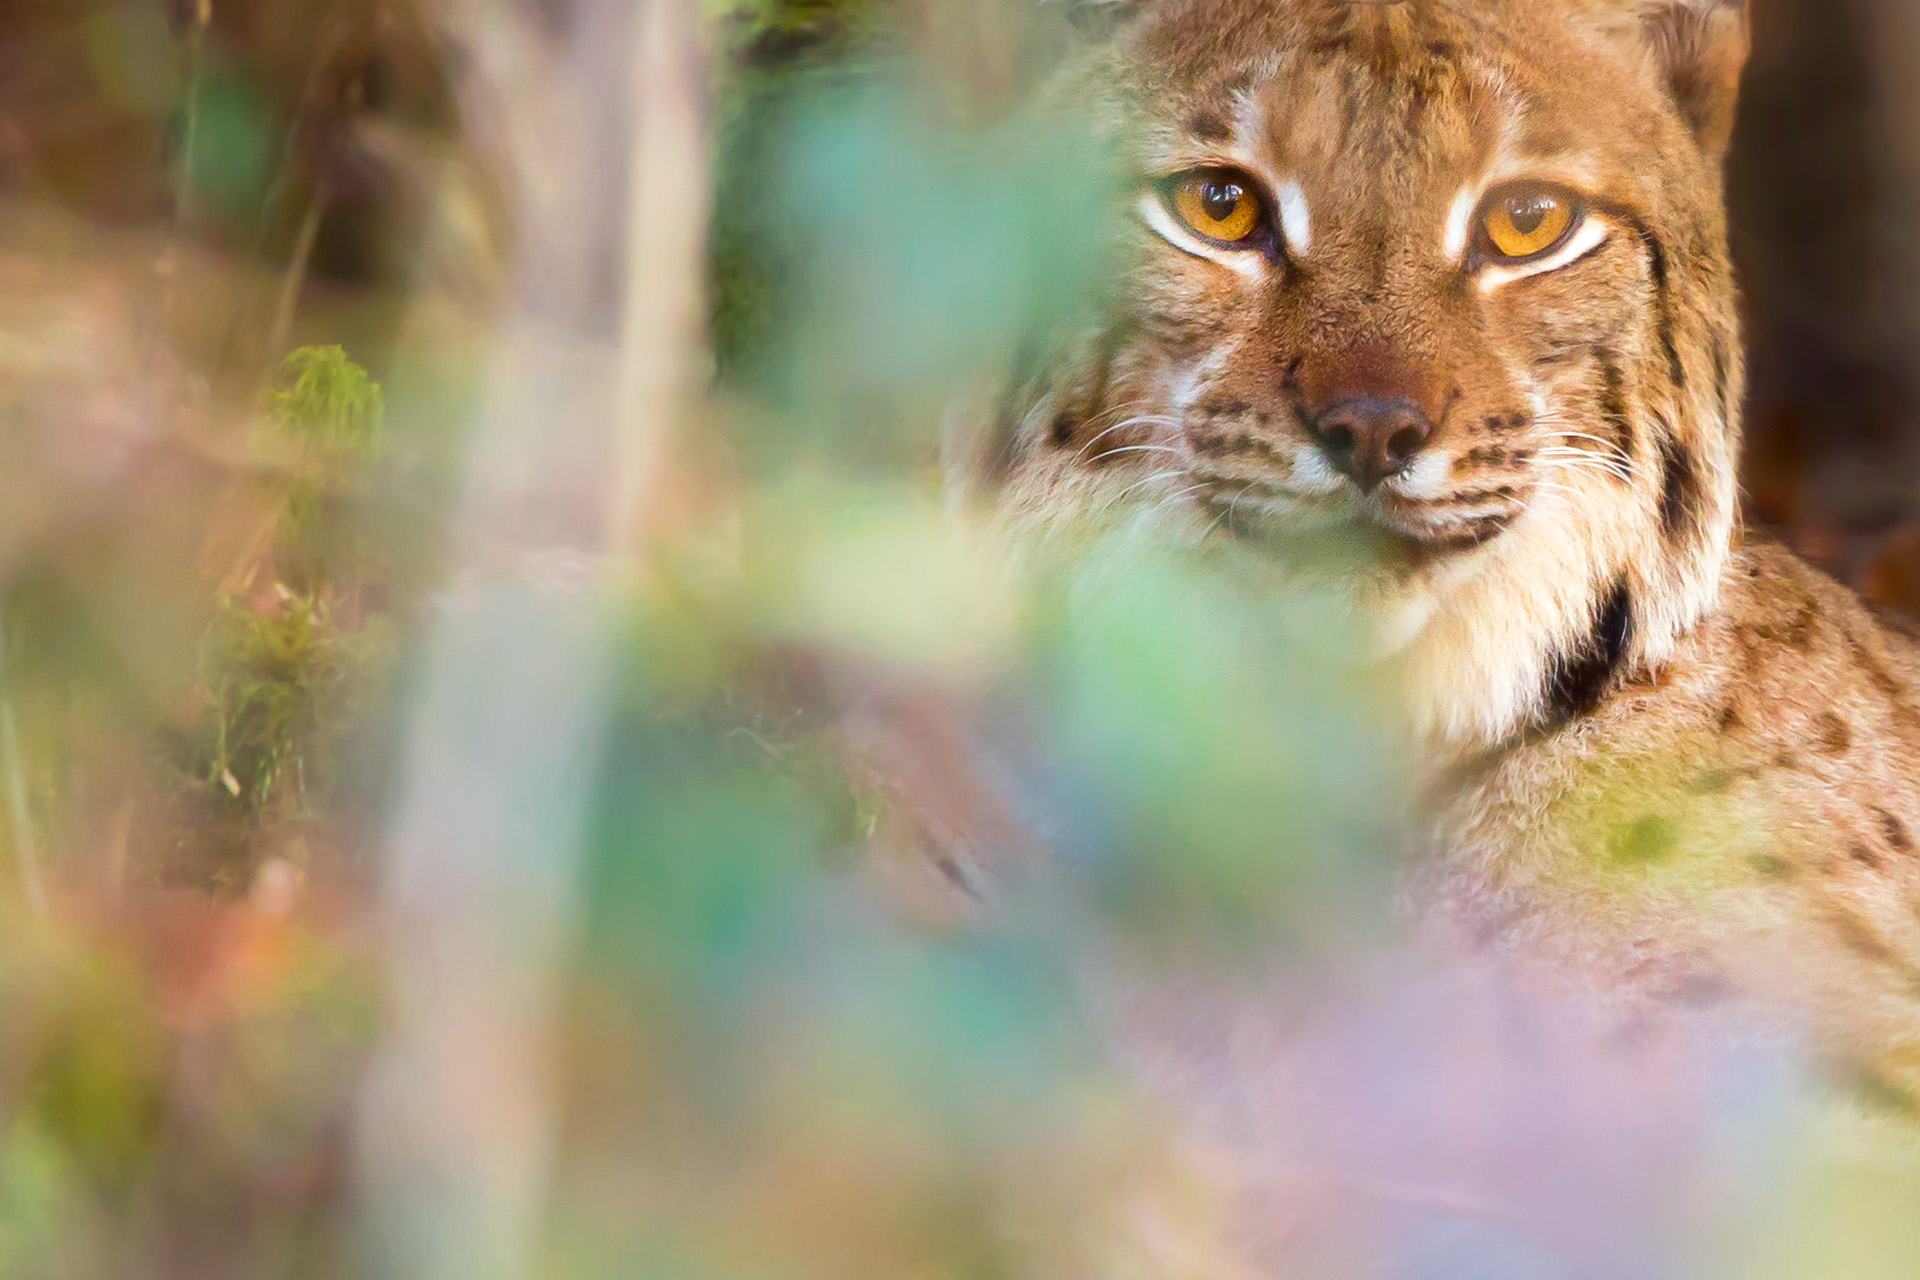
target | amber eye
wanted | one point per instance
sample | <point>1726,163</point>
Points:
<point>1217,204</point>
<point>1523,222</point>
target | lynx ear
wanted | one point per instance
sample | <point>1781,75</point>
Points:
<point>1703,46</point>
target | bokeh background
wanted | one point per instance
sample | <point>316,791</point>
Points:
<point>509,770</point>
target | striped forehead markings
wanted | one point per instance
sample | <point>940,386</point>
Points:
<point>1209,126</point>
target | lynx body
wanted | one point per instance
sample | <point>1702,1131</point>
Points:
<point>1431,310</point>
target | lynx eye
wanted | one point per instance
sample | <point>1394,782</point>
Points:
<point>1218,204</point>
<point>1521,223</point>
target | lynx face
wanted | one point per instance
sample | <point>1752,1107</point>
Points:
<point>1431,311</point>
<point>1431,306</point>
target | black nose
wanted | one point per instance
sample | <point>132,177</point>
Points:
<point>1371,440</point>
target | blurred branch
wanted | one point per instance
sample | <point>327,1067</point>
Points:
<point>24,848</point>
<point>184,212</point>
<point>593,108</point>
<point>295,276</point>
<point>338,45</point>
<point>183,202</point>
<point>665,307</point>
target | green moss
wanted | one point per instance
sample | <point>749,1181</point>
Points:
<point>330,406</point>
<point>284,690</point>
<point>298,666</point>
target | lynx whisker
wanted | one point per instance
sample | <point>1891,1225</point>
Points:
<point>1578,460</point>
<point>1148,419</point>
<point>1155,478</point>
<point>1140,448</point>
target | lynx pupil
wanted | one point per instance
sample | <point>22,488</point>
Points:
<point>1527,213</point>
<point>1220,200</point>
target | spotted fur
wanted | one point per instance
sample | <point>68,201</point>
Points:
<point>1693,760</point>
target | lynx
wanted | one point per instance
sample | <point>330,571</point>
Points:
<point>1431,303</point>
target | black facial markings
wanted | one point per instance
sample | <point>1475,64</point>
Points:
<point>1682,495</point>
<point>1579,678</point>
<point>1895,831</point>
<point>1229,444</point>
<point>1107,356</point>
<point>1380,257</point>
<point>1657,263</point>
<point>1613,406</point>
<point>1241,486</point>
<point>1473,534</point>
<point>1498,493</point>
<point>1222,501</point>
<point>1209,126</point>
<point>1080,411</point>
<point>1659,266</point>
<point>1224,408</point>
<point>1495,456</point>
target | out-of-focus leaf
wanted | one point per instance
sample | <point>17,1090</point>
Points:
<point>233,145</point>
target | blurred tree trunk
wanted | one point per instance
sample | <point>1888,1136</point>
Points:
<point>594,110</point>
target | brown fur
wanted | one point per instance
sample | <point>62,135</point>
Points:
<point>1691,762</point>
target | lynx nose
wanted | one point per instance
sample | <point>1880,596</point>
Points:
<point>1371,440</point>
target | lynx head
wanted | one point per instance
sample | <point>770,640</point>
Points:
<point>1430,307</point>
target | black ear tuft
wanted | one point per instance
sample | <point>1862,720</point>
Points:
<point>1703,46</point>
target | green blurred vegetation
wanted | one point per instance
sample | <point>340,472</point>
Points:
<point>776,56</point>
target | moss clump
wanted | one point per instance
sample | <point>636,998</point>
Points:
<point>299,655</point>
<point>284,690</point>
<point>328,406</point>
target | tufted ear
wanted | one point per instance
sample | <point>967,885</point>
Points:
<point>1703,46</point>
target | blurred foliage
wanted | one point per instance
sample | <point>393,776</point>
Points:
<point>287,690</point>
<point>296,675</point>
<point>334,416</point>
<point>170,1093</point>
<point>776,56</point>
<point>227,147</point>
